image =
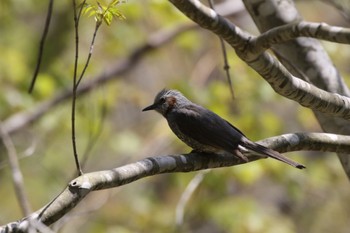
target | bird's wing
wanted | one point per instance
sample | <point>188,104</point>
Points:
<point>206,127</point>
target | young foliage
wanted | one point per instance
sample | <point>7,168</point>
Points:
<point>104,13</point>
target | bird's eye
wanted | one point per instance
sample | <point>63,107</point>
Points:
<point>162,100</point>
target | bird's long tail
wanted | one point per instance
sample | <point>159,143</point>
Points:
<point>257,148</point>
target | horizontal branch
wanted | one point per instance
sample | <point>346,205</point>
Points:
<point>324,142</point>
<point>264,63</point>
<point>288,32</point>
<point>81,186</point>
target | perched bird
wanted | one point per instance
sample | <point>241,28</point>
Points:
<point>205,131</point>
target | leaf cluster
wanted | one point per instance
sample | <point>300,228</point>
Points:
<point>104,13</point>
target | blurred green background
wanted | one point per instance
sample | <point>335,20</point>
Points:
<point>263,196</point>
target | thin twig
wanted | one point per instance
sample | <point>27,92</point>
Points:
<point>94,136</point>
<point>186,195</point>
<point>17,176</point>
<point>98,24</point>
<point>74,96</point>
<point>224,53</point>
<point>41,46</point>
<point>76,84</point>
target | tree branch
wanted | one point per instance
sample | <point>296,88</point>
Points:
<point>81,186</point>
<point>306,56</point>
<point>17,176</point>
<point>324,142</point>
<point>291,31</point>
<point>41,46</point>
<point>186,195</point>
<point>265,64</point>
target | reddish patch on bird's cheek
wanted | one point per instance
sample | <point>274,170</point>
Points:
<point>171,101</point>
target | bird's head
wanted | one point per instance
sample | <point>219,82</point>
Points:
<point>167,100</point>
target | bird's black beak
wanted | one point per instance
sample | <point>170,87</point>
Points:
<point>151,107</point>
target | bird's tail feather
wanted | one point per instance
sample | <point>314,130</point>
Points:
<point>257,148</point>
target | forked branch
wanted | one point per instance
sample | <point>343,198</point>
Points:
<point>280,79</point>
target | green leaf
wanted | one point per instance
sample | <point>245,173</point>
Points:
<point>108,17</point>
<point>87,8</point>
<point>114,3</point>
<point>104,13</point>
<point>92,13</point>
<point>117,13</point>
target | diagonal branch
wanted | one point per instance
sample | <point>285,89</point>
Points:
<point>17,177</point>
<point>304,56</point>
<point>81,186</point>
<point>121,67</point>
<point>155,41</point>
<point>265,64</point>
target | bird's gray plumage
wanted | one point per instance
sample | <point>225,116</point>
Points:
<point>205,131</point>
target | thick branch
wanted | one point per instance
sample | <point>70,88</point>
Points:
<point>309,142</point>
<point>81,186</point>
<point>291,31</point>
<point>265,64</point>
<point>304,56</point>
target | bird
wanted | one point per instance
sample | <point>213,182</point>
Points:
<point>205,131</point>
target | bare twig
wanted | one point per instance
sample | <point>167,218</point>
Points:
<point>17,176</point>
<point>75,86</point>
<point>41,46</point>
<point>227,67</point>
<point>186,195</point>
<point>93,136</point>
<point>97,26</point>
<point>224,53</point>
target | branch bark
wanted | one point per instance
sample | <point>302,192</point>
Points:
<point>308,57</point>
<point>324,91</point>
<point>285,33</point>
<point>280,79</point>
<point>81,186</point>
